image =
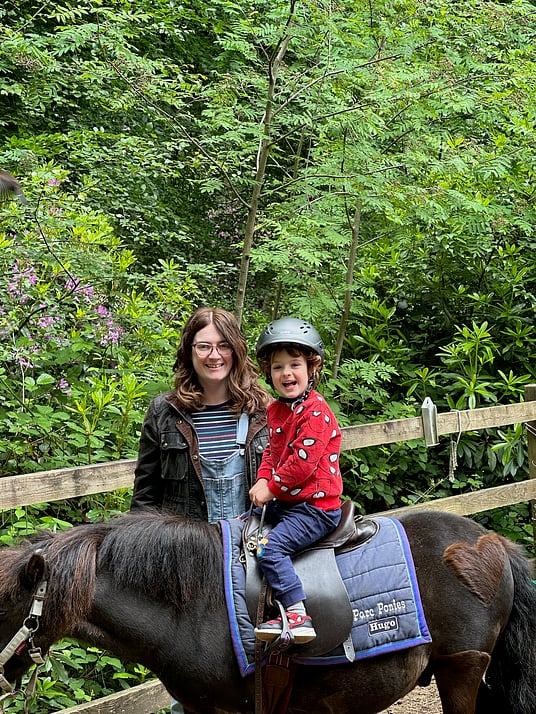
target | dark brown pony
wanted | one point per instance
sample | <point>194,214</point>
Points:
<point>149,588</point>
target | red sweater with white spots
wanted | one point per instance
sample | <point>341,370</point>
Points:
<point>301,462</point>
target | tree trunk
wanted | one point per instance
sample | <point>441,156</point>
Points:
<point>262,158</point>
<point>348,292</point>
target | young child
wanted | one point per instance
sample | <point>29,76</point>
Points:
<point>299,479</point>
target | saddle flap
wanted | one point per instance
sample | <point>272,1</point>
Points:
<point>327,599</point>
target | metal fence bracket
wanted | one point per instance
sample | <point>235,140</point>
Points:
<point>429,422</point>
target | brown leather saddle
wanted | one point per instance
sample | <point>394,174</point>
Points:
<point>327,599</point>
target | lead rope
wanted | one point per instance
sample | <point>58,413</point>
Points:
<point>454,441</point>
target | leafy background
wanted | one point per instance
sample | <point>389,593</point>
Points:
<point>368,168</point>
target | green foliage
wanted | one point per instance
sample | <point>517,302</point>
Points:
<point>135,132</point>
<point>85,340</point>
<point>21,522</point>
<point>513,522</point>
<point>359,389</point>
<point>73,675</point>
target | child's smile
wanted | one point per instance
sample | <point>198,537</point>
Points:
<point>290,374</point>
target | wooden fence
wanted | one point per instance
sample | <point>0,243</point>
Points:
<point>60,484</point>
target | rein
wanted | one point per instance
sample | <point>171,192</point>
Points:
<point>24,639</point>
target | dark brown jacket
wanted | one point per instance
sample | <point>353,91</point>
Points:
<point>168,471</point>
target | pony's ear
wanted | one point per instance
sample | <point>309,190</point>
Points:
<point>35,569</point>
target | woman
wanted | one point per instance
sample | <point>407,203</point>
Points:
<point>202,442</point>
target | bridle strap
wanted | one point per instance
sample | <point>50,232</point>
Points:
<point>37,602</point>
<point>25,635</point>
<point>18,638</point>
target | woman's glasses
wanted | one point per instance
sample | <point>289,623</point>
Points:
<point>203,349</point>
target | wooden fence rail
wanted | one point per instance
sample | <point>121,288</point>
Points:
<point>60,484</point>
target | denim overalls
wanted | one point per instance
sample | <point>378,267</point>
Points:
<point>224,480</point>
<point>226,491</point>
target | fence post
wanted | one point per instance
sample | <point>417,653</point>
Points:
<point>530,395</point>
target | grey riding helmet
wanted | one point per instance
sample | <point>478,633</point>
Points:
<point>290,331</point>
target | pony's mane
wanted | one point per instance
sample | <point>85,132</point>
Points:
<point>166,557</point>
<point>70,560</point>
<point>162,556</point>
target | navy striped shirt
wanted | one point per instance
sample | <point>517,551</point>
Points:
<point>216,430</point>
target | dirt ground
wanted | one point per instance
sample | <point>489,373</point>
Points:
<point>422,700</point>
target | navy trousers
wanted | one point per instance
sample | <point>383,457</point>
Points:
<point>295,527</point>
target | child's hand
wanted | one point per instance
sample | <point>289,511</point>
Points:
<point>260,493</point>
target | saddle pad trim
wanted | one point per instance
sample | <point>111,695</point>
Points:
<point>242,634</point>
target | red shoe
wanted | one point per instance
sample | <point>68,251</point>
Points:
<point>301,627</point>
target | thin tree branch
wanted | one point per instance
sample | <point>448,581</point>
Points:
<point>173,121</point>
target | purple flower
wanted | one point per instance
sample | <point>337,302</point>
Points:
<point>45,322</point>
<point>64,386</point>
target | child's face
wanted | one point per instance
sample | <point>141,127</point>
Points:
<point>289,374</point>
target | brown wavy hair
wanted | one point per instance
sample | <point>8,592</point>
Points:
<point>247,395</point>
